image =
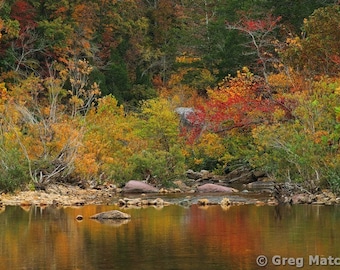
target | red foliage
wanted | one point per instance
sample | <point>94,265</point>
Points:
<point>241,102</point>
<point>253,25</point>
<point>265,25</point>
<point>335,58</point>
<point>25,14</point>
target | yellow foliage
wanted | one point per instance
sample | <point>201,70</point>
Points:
<point>186,85</point>
<point>3,92</point>
<point>279,115</point>
<point>337,91</point>
<point>280,81</point>
<point>76,101</point>
<point>109,141</point>
<point>185,59</point>
<point>211,145</point>
<point>198,161</point>
<point>295,41</point>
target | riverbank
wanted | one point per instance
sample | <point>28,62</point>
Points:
<point>58,195</point>
<point>69,195</point>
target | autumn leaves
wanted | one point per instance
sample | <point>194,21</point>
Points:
<point>95,99</point>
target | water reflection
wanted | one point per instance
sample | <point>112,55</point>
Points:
<point>170,238</point>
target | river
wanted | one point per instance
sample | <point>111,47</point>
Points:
<point>171,238</point>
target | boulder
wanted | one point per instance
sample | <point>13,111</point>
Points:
<point>185,113</point>
<point>193,175</point>
<point>215,188</point>
<point>134,186</point>
<point>113,214</point>
<point>241,177</point>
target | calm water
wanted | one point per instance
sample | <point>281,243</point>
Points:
<point>170,238</point>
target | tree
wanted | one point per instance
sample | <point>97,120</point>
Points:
<point>262,40</point>
<point>44,120</point>
<point>218,48</point>
<point>25,14</point>
<point>305,149</point>
<point>162,159</point>
<point>109,142</point>
<point>294,12</point>
<point>240,102</point>
<point>317,52</point>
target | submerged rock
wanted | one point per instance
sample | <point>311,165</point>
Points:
<point>113,214</point>
<point>126,202</point>
<point>79,217</point>
<point>225,202</point>
<point>215,188</point>
<point>134,186</point>
<point>203,202</point>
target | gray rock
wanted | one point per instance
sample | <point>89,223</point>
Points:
<point>215,188</point>
<point>259,174</point>
<point>134,186</point>
<point>185,113</point>
<point>301,199</point>
<point>193,175</point>
<point>241,177</point>
<point>113,214</point>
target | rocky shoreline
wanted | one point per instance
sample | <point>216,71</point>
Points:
<point>141,194</point>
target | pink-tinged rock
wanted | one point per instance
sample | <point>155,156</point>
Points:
<point>134,186</point>
<point>206,188</point>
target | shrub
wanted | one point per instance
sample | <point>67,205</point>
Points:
<point>13,170</point>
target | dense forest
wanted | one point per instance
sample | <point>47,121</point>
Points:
<point>111,90</point>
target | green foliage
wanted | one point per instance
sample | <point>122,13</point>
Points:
<point>287,154</point>
<point>210,152</point>
<point>294,12</point>
<point>140,92</point>
<point>160,167</point>
<point>304,149</point>
<point>56,32</point>
<point>158,126</point>
<point>13,169</point>
<point>117,81</point>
